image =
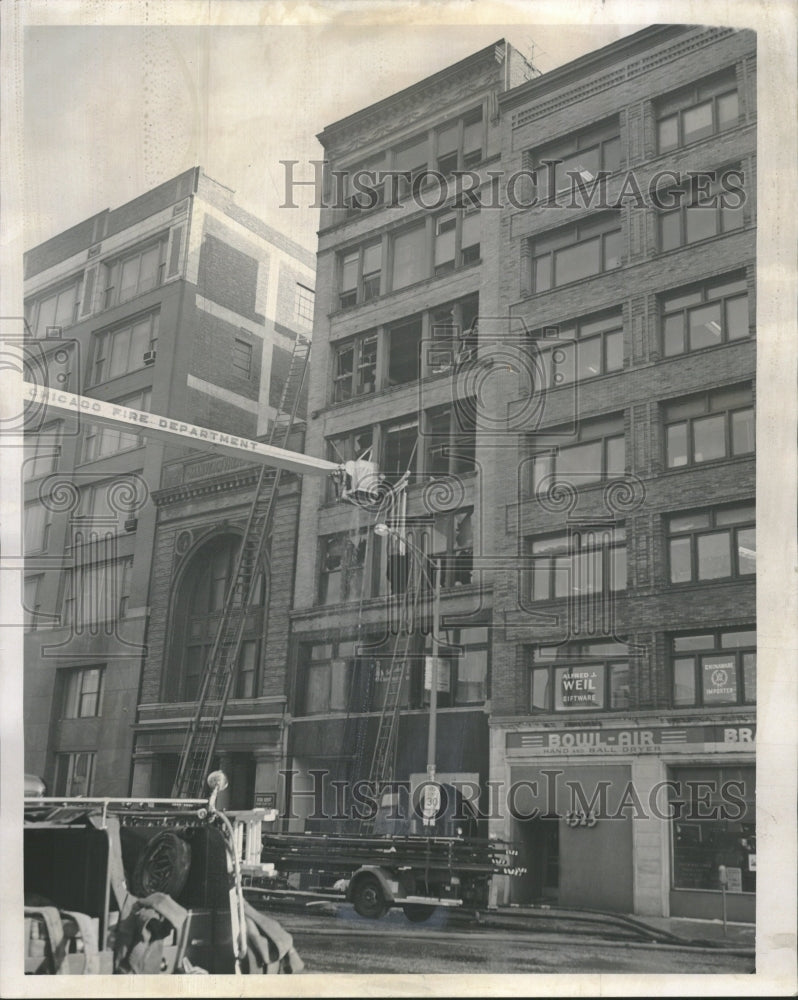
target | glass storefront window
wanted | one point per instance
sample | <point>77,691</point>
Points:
<point>713,824</point>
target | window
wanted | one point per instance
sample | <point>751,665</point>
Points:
<point>704,316</point>
<point>242,358</point>
<point>53,310</point>
<point>360,185</point>
<point>585,153</point>
<point>343,562</point>
<point>135,273</point>
<point>303,307</point>
<point>83,692</point>
<point>42,450</point>
<point>247,674</point>
<point>454,334</point>
<point>575,252</point>
<point>459,144</point>
<point>470,667</point>
<point>399,448</point>
<point>355,367</point>
<point>74,774</point>
<point>588,559</point>
<point>360,274</point>
<point>597,454</point>
<point>714,668</point>
<point>404,351</point>
<point>348,448</point>
<point>582,349</point>
<point>698,214</point>
<point>101,440</point>
<point>710,829</point>
<point>197,612</point>
<point>451,439</point>
<point>97,592</point>
<point>697,111</point>
<point>328,671</point>
<point>456,240</point>
<point>107,505</point>
<point>411,158</point>
<point>580,677</point>
<point>122,349</point>
<point>712,544</point>
<point>37,528</point>
<point>709,426</point>
<point>452,543</point>
<point>31,601</point>
<point>409,257</point>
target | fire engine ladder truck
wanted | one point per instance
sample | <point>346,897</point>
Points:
<point>203,731</point>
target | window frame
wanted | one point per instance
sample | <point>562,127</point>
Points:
<point>245,348</point>
<point>304,304</point>
<point>363,290</point>
<point>599,227</point>
<point>689,420</point>
<point>583,141</point>
<point>698,653</point>
<point>688,198</point>
<point>65,767</point>
<point>547,339</point>
<point>36,534</point>
<point>357,345</point>
<point>94,434</point>
<point>705,290</point>
<point>676,105</point>
<point>586,433</point>
<point>71,604</point>
<point>693,534</point>
<point>75,691</point>
<point>581,657</point>
<point>355,573</point>
<point>562,558</point>
<point>456,445</point>
<point>102,346</point>
<point>33,306</point>
<point>113,267</point>
<point>43,446</point>
<point>462,256</point>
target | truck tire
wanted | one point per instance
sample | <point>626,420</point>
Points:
<point>417,913</point>
<point>368,897</point>
<point>162,866</point>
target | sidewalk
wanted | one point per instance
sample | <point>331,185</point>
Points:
<point>667,930</point>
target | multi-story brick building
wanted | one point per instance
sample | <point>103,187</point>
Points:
<point>181,303</point>
<point>628,655</point>
<point>571,390</point>
<point>399,288</point>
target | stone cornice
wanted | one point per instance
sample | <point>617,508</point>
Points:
<point>417,102</point>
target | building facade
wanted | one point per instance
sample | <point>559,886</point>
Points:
<point>399,290</point>
<point>180,303</point>
<point>565,368</point>
<point>627,665</point>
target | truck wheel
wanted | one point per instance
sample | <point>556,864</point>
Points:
<point>368,898</point>
<point>417,913</point>
<point>162,866</point>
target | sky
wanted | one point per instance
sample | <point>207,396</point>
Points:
<point>110,111</point>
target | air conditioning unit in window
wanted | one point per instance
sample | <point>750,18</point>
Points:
<point>131,524</point>
<point>149,357</point>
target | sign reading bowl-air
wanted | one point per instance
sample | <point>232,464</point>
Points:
<point>633,740</point>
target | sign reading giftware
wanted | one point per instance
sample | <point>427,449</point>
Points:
<point>579,687</point>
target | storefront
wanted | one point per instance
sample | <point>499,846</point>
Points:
<point>628,817</point>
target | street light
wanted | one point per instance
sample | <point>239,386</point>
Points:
<point>424,561</point>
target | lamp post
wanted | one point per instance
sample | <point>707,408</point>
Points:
<point>425,562</point>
